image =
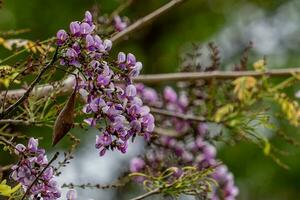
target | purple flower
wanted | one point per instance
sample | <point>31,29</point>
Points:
<point>85,28</point>
<point>183,100</point>
<point>71,195</point>
<point>103,80</point>
<point>89,40</point>
<point>136,126</point>
<point>169,94</point>
<point>130,91</point>
<point>102,152</point>
<point>48,174</point>
<point>33,144</point>
<point>96,104</point>
<point>94,64</point>
<point>202,129</point>
<point>136,164</point>
<point>131,60</point>
<point>135,70</point>
<point>119,24</point>
<point>75,28</point>
<point>61,37</point>
<point>150,96</point>
<point>88,18</point>
<point>107,44</point>
<point>71,54</point>
<point>209,151</point>
<point>122,146</point>
<point>98,42</point>
<point>20,148</point>
<point>121,57</point>
<point>177,172</point>
<point>76,47</point>
<point>103,140</point>
<point>148,123</point>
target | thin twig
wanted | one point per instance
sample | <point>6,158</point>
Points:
<point>193,76</point>
<point>166,132</point>
<point>145,20</point>
<point>39,175</point>
<point>31,87</point>
<point>91,186</point>
<point>7,142</point>
<point>122,7</point>
<point>177,115</point>
<point>18,122</point>
<point>5,168</point>
<point>148,194</point>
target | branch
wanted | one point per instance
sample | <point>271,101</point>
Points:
<point>121,8</point>
<point>166,132</point>
<point>31,87</point>
<point>5,168</point>
<point>146,20</point>
<point>119,183</point>
<point>18,122</point>
<point>193,76</point>
<point>7,142</point>
<point>148,194</point>
<point>39,175</point>
<point>177,115</point>
<point>44,90</point>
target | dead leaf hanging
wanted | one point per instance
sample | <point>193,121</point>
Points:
<point>65,119</point>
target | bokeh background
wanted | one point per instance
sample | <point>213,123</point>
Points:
<point>272,25</point>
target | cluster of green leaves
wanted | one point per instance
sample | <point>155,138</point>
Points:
<point>192,181</point>
<point>245,112</point>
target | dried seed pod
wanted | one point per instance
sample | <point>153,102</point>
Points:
<point>65,119</point>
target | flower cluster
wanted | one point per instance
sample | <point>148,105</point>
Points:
<point>171,101</point>
<point>189,150</point>
<point>107,85</point>
<point>227,190</point>
<point>32,162</point>
<point>174,153</point>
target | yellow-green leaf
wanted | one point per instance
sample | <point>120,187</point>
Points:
<point>6,190</point>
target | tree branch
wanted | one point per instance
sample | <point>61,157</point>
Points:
<point>177,115</point>
<point>122,7</point>
<point>7,142</point>
<point>146,20</point>
<point>193,76</point>
<point>44,90</point>
<point>31,87</point>
<point>18,122</point>
<point>5,168</point>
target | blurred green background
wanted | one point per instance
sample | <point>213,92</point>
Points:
<point>273,26</point>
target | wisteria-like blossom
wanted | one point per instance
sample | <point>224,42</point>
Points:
<point>188,151</point>
<point>32,161</point>
<point>174,153</point>
<point>107,85</point>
